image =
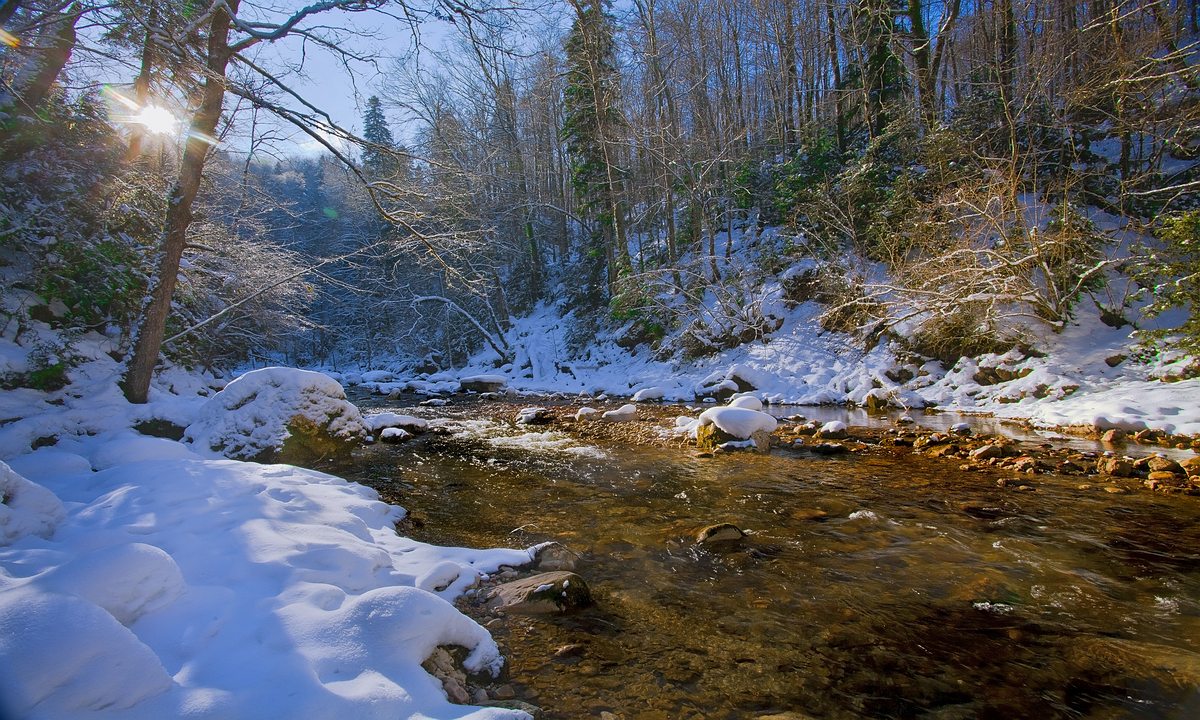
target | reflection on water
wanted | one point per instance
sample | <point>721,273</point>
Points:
<point>869,586</point>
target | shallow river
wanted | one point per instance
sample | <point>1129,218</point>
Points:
<point>870,586</point>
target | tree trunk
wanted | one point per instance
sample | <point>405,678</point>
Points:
<point>141,87</point>
<point>179,209</point>
<point>35,91</point>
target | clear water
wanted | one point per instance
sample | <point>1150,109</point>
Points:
<point>870,586</point>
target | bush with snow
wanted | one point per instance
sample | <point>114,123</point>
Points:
<point>281,414</point>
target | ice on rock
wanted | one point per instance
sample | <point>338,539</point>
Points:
<point>749,402</point>
<point>26,508</point>
<point>648,394</point>
<point>739,422</point>
<point>832,427</point>
<point>586,412</point>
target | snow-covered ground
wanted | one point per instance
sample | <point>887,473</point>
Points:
<point>146,578</point>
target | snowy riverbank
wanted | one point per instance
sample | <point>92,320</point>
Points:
<point>1086,376</point>
<point>144,578</point>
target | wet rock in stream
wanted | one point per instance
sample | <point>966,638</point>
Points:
<point>545,593</point>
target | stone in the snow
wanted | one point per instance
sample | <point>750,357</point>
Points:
<point>482,383</point>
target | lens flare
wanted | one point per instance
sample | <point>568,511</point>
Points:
<point>7,38</point>
<point>157,120</point>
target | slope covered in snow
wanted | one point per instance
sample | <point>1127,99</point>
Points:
<point>1088,374</point>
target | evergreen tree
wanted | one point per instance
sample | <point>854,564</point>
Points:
<point>592,119</point>
<point>379,160</point>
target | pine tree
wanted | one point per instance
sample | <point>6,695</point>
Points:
<point>592,119</point>
<point>379,160</point>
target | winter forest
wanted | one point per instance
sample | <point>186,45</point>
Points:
<point>794,358</point>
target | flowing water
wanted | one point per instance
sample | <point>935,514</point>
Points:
<point>870,586</point>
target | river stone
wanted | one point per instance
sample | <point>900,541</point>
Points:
<point>442,665</point>
<point>1115,466</point>
<point>533,711</point>
<point>554,556</point>
<point>721,532</point>
<point>482,383</point>
<point>987,452</point>
<point>546,593</point>
<point>1113,435</point>
<point>1158,463</point>
<point>533,416</point>
<point>1191,466</point>
<point>1162,477</point>
<point>708,437</point>
<point>1131,663</point>
<point>827,448</point>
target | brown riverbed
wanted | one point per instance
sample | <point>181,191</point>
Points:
<point>876,583</point>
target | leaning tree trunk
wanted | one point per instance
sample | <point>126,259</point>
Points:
<point>179,209</point>
<point>33,92</point>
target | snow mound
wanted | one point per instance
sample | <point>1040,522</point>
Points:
<point>648,394</point>
<point>26,508</point>
<point>627,411</point>
<point>130,447</point>
<point>127,580</point>
<point>586,412</point>
<point>746,401</point>
<point>62,656</point>
<point>255,416</point>
<point>383,420</point>
<point>237,590</point>
<point>737,421</point>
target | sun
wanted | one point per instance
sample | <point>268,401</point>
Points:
<point>157,120</point>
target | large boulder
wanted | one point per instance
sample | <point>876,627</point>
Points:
<point>279,414</point>
<point>721,425</point>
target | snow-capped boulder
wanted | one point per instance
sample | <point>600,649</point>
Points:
<point>26,508</point>
<point>648,394</point>
<point>746,401</point>
<point>624,413</point>
<point>278,414</point>
<point>381,421</point>
<point>533,416</point>
<point>734,424</point>
<point>832,430</point>
<point>394,435</point>
<point>482,383</point>
<point>586,413</point>
<point>374,376</point>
